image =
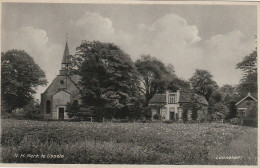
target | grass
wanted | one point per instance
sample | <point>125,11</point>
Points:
<point>127,143</point>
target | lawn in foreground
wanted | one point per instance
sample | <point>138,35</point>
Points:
<point>127,143</point>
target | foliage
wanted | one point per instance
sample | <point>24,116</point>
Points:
<point>20,76</point>
<point>108,78</point>
<point>176,83</point>
<point>220,110</point>
<point>157,116</point>
<point>193,105</point>
<point>153,76</point>
<point>202,83</point>
<point>232,110</point>
<point>228,94</point>
<point>119,143</point>
<point>73,109</point>
<point>185,113</point>
<point>251,118</point>
<point>248,83</point>
<point>235,121</point>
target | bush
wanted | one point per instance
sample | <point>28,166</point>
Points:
<point>157,116</point>
<point>235,121</point>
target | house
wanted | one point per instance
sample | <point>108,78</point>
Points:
<point>169,105</point>
<point>244,104</point>
<point>62,90</point>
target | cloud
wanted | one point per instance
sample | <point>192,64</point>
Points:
<point>173,40</point>
<point>36,43</point>
<point>94,27</point>
<point>223,52</point>
<point>170,38</point>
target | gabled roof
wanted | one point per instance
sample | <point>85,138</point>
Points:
<point>248,96</point>
<point>184,98</point>
<point>158,98</point>
<point>65,59</point>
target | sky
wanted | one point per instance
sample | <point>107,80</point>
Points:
<point>211,37</point>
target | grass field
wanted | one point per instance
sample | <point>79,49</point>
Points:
<point>25,141</point>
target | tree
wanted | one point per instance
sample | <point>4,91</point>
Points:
<point>153,76</point>
<point>232,110</point>
<point>228,93</point>
<point>248,83</point>
<point>202,83</point>
<point>109,79</point>
<point>73,109</point>
<point>176,83</point>
<point>20,76</point>
<point>193,105</point>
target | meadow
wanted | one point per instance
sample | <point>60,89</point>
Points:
<point>28,141</point>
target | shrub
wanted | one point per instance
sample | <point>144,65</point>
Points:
<point>235,121</point>
<point>157,116</point>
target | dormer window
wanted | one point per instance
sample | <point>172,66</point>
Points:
<point>172,98</point>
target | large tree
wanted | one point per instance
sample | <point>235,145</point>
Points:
<point>153,76</point>
<point>248,83</point>
<point>202,83</point>
<point>20,76</point>
<point>228,93</point>
<point>108,78</point>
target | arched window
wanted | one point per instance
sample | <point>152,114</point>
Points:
<point>48,106</point>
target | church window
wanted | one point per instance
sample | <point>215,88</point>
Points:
<point>48,106</point>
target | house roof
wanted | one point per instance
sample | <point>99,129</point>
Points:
<point>158,98</point>
<point>248,96</point>
<point>184,98</point>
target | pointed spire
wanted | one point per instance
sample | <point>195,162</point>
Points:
<point>65,59</point>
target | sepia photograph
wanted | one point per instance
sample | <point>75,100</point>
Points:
<point>133,83</point>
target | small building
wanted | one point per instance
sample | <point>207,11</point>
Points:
<point>244,104</point>
<point>169,105</point>
<point>63,89</point>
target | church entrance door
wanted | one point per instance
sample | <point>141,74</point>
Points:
<point>61,113</point>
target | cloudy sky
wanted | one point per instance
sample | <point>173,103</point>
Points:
<point>208,37</point>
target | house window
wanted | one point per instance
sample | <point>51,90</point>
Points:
<point>164,110</point>
<point>48,106</point>
<point>172,98</point>
<point>242,112</point>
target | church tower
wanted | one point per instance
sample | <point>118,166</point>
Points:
<point>65,61</point>
<point>61,91</point>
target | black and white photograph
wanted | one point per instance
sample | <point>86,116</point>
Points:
<point>129,83</point>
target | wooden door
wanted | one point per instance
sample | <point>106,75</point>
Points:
<point>61,113</point>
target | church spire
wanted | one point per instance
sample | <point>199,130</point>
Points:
<point>65,59</point>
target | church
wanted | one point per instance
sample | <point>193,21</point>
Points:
<point>62,90</point>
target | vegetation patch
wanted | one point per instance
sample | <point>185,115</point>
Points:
<point>124,143</point>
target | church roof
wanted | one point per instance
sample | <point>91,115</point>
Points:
<point>65,59</point>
